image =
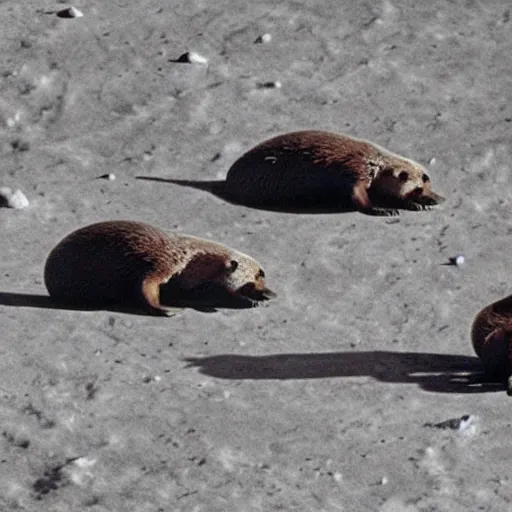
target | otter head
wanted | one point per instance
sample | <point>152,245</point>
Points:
<point>407,182</point>
<point>244,277</point>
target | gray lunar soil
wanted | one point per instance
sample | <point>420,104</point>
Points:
<point>336,396</point>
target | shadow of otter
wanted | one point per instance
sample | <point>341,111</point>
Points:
<point>442,373</point>
<point>218,189</point>
<point>206,298</point>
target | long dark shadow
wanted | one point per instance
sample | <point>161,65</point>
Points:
<point>442,373</point>
<point>29,300</point>
<point>218,189</point>
<point>205,300</point>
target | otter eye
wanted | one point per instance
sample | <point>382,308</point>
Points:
<point>425,178</point>
<point>260,274</point>
<point>403,176</point>
<point>233,265</point>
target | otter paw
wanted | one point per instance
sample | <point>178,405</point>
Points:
<point>381,212</point>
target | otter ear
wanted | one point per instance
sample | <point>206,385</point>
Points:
<point>232,266</point>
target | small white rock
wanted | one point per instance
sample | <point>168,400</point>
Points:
<point>157,378</point>
<point>13,121</point>
<point>109,177</point>
<point>264,38</point>
<point>9,199</point>
<point>84,462</point>
<point>80,472</point>
<point>384,480</point>
<point>465,422</point>
<point>338,477</point>
<point>432,161</point>
<point>459,260</point>
<point>193,58</point>
<point>70,12</point>
<point>18,200</point>
<point>270,85</point>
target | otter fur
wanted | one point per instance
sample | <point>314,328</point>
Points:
<point>322,170</point>
<point>126,262</point>
<point>491,336</point>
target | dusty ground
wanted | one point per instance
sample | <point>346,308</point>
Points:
<point>319,401</point>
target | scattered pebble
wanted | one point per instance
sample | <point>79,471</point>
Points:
<point>80,470</point>
<point>84,462</point>
<point>109,177</point>
<point>270,85</point>
<point>264,38</point>
<point>457,260</point>
<point>70,12</point>
<point>10,199</point>
<point>459,424</point>
<point>432,161</point>
<point>192,58</point>
<point>11,122</point>
<point>338,477</point>
<point>384,480</point>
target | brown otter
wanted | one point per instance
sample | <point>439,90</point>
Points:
<point>126,262</point>
<point>491,335</point>
<point>328,170</point>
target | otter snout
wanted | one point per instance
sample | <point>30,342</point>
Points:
<point>250,291</point>
<point>425,197</point>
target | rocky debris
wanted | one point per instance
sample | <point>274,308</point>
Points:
<point>109,177</point>
<point>453,423</point>
<point>272,84</point>
<point>191,58</point>
<point>70,12</point>
<point>264,38</point>
<point>13,199</point>
<point>457,260</point>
